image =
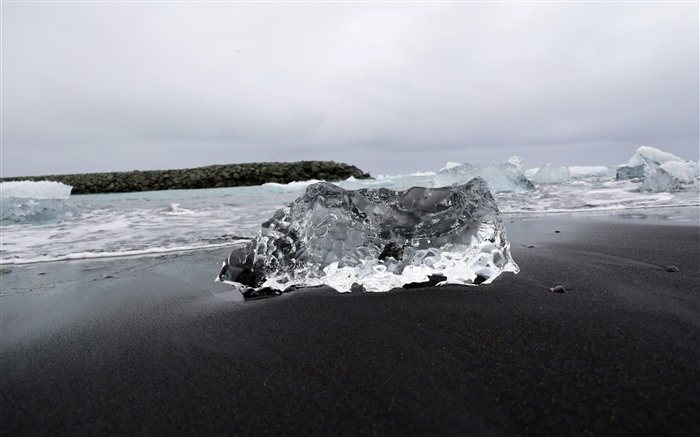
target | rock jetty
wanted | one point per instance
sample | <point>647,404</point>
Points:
<point>213,176</point>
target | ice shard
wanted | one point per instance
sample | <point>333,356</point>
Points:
<point>376,239</point>
<point>500,177</point>
<point>657,179</point>
<point>548,174</point>
<point>647,161</point>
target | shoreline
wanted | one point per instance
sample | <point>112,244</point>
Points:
<point>154,345</point>
<point>684,215</point>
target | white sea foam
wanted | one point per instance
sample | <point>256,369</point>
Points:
<point>118,254</point>
<point>291,187</point>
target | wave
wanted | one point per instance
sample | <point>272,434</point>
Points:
<point>118,254</point>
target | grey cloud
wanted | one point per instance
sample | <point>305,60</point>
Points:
<point>391,88</point>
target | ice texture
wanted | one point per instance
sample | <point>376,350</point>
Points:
<point>35,190</point>
<point>657,179</point>
<point>29,202</point>
<point>667,172</point>
<point>683,171</point>
<point>376,239</point>
<point>625,172</point>
<point>653,154</point>
<point>499,177</point>
<point>548,174</point>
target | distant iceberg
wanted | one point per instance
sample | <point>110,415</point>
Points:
<point>375,239</point>
<point>499,177</point>
<point>659,171</point>
<point>35,190</point>
<point>548,174</point>
<point>653,154</point>
<point>41,202</point>
<point>656,179</point>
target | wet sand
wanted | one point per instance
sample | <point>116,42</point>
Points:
<point>145,346</point>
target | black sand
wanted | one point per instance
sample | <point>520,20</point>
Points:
<point>143,346</point>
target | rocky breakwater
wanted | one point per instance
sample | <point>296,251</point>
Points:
<point>213,176</point>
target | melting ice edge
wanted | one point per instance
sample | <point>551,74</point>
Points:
<point>376,240</point>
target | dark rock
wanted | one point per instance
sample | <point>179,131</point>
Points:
<point>229,175</point>
<point>357,288</point>
<point>479,279</point>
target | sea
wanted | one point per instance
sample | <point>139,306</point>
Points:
<point>42,222</point>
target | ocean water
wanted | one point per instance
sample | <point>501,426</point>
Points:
<point>41,222</point>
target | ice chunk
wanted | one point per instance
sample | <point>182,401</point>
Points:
<point>35,190</point>
<point>683,171</point>
<point>29,202</point>
<point>376,238</point>
<point>652,154</point>
<point>551,175</point>
<point>500,177</point>
<point>657,179</point>
<point>625,172</point>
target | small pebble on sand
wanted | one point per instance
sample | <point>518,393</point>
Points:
<point>558,289</point>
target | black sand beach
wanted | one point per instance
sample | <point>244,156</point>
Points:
<point>145,346</point>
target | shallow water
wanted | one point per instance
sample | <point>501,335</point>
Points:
<point>127,224</point>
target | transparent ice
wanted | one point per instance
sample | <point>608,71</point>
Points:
<point>35,190</point>
<point>548,174</point>
<point>667,172</point>
<point>657,179</point>
<point>42,202</point>
<point>500,177</point>
<point>653,154</point>
<point>376,239</point>
<point>683,171</point>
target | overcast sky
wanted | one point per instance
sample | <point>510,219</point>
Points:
<point>389,87</point>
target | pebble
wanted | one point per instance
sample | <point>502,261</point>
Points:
<point>357,288</point>
<point>558,289</point>
<point>557,232</point>
<point>672,269</point>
